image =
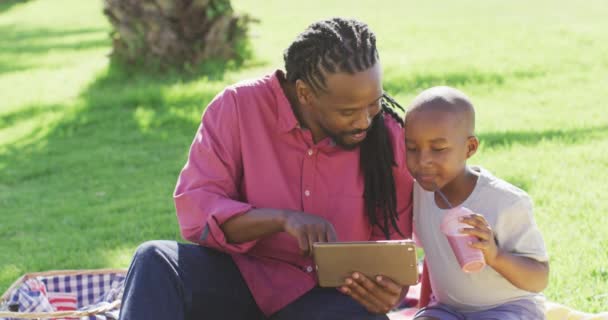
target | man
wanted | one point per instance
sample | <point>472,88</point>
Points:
<point>311,155</point>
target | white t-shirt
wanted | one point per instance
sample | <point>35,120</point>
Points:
<point>508,210</point>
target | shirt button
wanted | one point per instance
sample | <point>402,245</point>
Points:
<point>307,193</point>
<point>310,152</point>
<point>309,269</point>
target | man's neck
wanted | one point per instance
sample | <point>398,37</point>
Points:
<point>303,117</point>
<point>457,190</point>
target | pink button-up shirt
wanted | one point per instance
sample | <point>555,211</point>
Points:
<point>249,152</point>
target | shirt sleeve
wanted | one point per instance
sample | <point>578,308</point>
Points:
<point>207,191</point>
<point>517,232</point>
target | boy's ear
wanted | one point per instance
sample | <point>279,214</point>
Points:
<point>472,146</point>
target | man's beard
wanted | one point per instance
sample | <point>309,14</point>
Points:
<point>340,138</point>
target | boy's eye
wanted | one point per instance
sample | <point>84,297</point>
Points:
<point>410,149</point>
<point>439,149</point>
<point>347,113</point>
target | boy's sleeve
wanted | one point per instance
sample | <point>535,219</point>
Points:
<point>517,232</point>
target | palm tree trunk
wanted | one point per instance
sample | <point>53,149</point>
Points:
<point>176,33</point>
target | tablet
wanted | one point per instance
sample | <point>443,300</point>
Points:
<point>393,259</point>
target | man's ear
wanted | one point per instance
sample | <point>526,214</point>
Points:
<point>472,146</point>
<point>304,93</point>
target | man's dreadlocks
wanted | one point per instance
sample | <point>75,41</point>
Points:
<point>340,45</point>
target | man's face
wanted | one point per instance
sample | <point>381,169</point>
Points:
<point>437,147</point>
<point>346,109</point>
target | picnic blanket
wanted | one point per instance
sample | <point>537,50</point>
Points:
<point>90,295</point>
<point>553,311</point>
<point>422,291</point>
<point>94,295</point>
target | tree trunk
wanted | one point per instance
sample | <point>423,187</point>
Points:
<point>175,33</point>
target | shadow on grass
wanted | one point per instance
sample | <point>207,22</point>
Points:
<point>100,179</point>
<point>26,113</point>
<point>100,182</point>
<point>493,140</point>
<point>6,5</point>
<point>103,175</point>
<point>16,40</point>
<point>21,48</point>
<point>12,66</point>
<point>396,83</point>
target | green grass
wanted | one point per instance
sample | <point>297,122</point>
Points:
<point>89,154</point>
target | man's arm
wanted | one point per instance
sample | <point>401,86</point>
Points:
<point>255,224</point>
<point>207,193</point>
<point>258,223</point>
<point>206,196</point>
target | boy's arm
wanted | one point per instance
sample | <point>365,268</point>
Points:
<point>523,272</point>
<point>515,248</point>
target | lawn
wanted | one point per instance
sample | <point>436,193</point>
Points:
<point>89,154</point>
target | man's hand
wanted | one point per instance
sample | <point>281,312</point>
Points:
<point>377,296</point>
<point>308,229</point>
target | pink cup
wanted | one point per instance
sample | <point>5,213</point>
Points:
<point>470,259</point>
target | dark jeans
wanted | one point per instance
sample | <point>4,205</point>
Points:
<point>170,280</point>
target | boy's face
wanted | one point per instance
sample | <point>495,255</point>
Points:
<point>438,143</point>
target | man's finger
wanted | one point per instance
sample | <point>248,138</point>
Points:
<point>321,235</point>
<point>312,238</point>
<point>366,295</point>
<point>357,297</point>
<point>389,285</point>
<point>387,299</point>
<point>303,242</point>
<point>369,285</point>
<point>331,234</point>
<point>371,307</point>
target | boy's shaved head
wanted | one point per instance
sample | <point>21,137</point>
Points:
<point>440,138</point>
<point>446,99</point>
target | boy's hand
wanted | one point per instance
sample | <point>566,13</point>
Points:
<point>483,232</point>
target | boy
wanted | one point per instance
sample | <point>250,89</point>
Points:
<point>439,136</point>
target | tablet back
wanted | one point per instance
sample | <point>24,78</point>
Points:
<point>393,259</point>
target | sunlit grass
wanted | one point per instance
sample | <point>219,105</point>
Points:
<point>89,154</point>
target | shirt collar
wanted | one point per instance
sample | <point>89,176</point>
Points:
<point>286,119</point>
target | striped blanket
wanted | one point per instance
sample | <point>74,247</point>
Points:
<point>67,293</point>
